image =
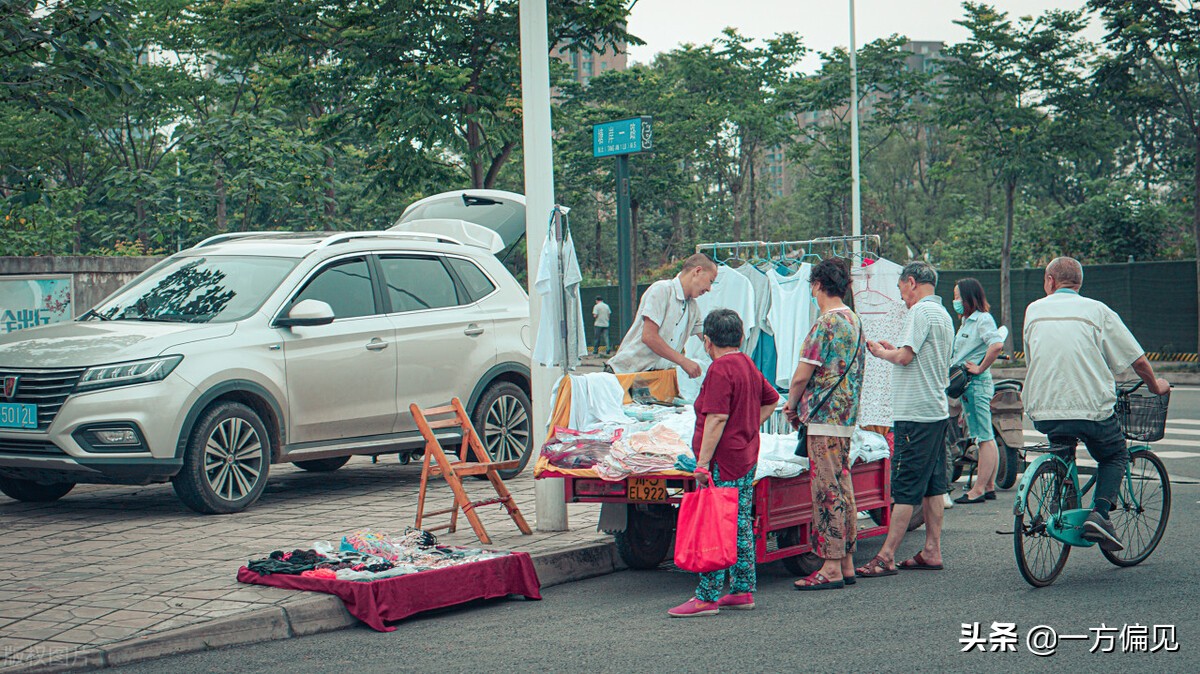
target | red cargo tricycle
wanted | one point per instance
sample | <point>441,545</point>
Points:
<point>783,513</point>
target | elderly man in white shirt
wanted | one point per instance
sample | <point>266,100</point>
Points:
<point>666,317</point>
<point>1074,346</point>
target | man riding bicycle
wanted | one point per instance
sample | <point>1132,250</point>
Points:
<point>1074,346</point>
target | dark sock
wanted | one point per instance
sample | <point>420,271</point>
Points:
<point>1102,506</point>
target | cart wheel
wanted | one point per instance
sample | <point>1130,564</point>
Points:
<point>647,537</point>
<point>802,564</point>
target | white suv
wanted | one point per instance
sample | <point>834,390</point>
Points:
<point>260,348</point>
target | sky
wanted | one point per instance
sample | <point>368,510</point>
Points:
<point>823,24</point>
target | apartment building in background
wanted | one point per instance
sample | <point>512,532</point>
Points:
<point>776,167</point>
<point>585,64</point>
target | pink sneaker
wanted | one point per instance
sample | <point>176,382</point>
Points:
<point>693,608</point>
<point>737,602</point>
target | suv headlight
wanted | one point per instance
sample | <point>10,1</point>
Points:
<point>124,374</point>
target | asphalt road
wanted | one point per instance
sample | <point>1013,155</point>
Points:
<point>906,623</point>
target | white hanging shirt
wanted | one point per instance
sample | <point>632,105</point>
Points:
<point>881,311</point>
<point>548,349</point>
<point>730,290</point>
<point>762,305</point>
<point>791,317</point>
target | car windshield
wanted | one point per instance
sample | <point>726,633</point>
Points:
<point>198,290</point>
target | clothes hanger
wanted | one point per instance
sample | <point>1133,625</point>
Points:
<point>808,253</point>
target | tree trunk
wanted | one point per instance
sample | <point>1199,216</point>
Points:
<point>139,210</point>
<point>222,201</point>
<point>330,194</point>
<point>1010,187</point>
<point>753,196</point>
<point>77,238</point>
<point>599,240</point>
<point>474,145</point>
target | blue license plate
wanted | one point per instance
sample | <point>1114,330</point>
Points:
<point>18,415</point>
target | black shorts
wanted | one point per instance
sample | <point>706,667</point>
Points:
<point>919,462</point>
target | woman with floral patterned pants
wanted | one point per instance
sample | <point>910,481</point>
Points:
<point>735,399</point>
<point>824,391</point>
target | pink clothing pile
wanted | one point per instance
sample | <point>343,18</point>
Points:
<point>644,452</point>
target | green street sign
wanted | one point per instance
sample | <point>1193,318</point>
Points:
<point>624,136</point>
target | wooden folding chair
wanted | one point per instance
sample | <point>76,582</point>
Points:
<point>454,471</point>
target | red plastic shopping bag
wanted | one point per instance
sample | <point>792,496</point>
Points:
<point>706,534</point>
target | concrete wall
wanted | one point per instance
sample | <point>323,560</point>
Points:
<point>96,277</point>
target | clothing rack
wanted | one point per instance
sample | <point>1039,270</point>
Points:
<point>833,246</point>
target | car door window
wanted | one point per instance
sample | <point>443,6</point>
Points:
<point>418,283</point>
<point>345,286</point>
<point>476,283</point>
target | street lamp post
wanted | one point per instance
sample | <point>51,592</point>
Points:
<point>855,189</point>
<point>550,506</point>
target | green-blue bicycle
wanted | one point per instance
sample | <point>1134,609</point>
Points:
<point>1049,519</point>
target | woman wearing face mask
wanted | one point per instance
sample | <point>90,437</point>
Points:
<point>824,393</point>
<point>976,346</point>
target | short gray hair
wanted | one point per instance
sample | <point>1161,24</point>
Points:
<point>921,272</point>
<point>723,327</point>
<point>1065,271</point>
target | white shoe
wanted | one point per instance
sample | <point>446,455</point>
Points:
<point>947,501</point>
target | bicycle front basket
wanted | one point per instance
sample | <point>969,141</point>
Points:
<point>1142,417</point>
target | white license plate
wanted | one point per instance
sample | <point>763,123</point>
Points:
<point>18,415</point>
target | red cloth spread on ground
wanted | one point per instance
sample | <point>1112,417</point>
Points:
<point>389,599</point>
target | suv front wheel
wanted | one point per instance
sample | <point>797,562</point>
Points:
<point>226,461</point>
<point>502,419</point>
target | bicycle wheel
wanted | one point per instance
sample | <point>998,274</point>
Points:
<point>1041,557</point>
<point>1141,512</point>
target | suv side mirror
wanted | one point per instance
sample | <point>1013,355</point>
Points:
<point>306,312</point>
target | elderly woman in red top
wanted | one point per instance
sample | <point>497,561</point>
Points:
<point>735,399</point>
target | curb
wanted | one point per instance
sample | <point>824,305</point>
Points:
<point>311,615</point>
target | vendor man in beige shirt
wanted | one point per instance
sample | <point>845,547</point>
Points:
<point>1074,345</point>
<point>666,317</point>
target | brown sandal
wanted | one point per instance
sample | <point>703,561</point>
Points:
<point>817,581</point>
<point>876,563</point>
<point>918,563</point>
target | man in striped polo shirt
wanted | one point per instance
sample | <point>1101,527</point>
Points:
<point>920,372</point>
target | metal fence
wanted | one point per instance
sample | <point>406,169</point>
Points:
<point>1157,300</point>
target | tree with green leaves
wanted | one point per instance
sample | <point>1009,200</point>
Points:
<point>1157,67</point>
<point>741,93</point>
<point>1009,92</point>
<point>51,50</point>
<point>893,93</point>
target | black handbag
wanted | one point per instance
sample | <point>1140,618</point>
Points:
<point>959,378</point>
<point>802,431</point>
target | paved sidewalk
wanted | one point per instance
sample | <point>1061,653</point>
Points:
<point>86,579</point>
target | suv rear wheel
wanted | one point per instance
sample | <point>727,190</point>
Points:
<point>502,419</point>
<point>226,461</point>
<point>34,492</point>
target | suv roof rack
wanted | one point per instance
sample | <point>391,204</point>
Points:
<point>420,236</point>
<point>231,236</point>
